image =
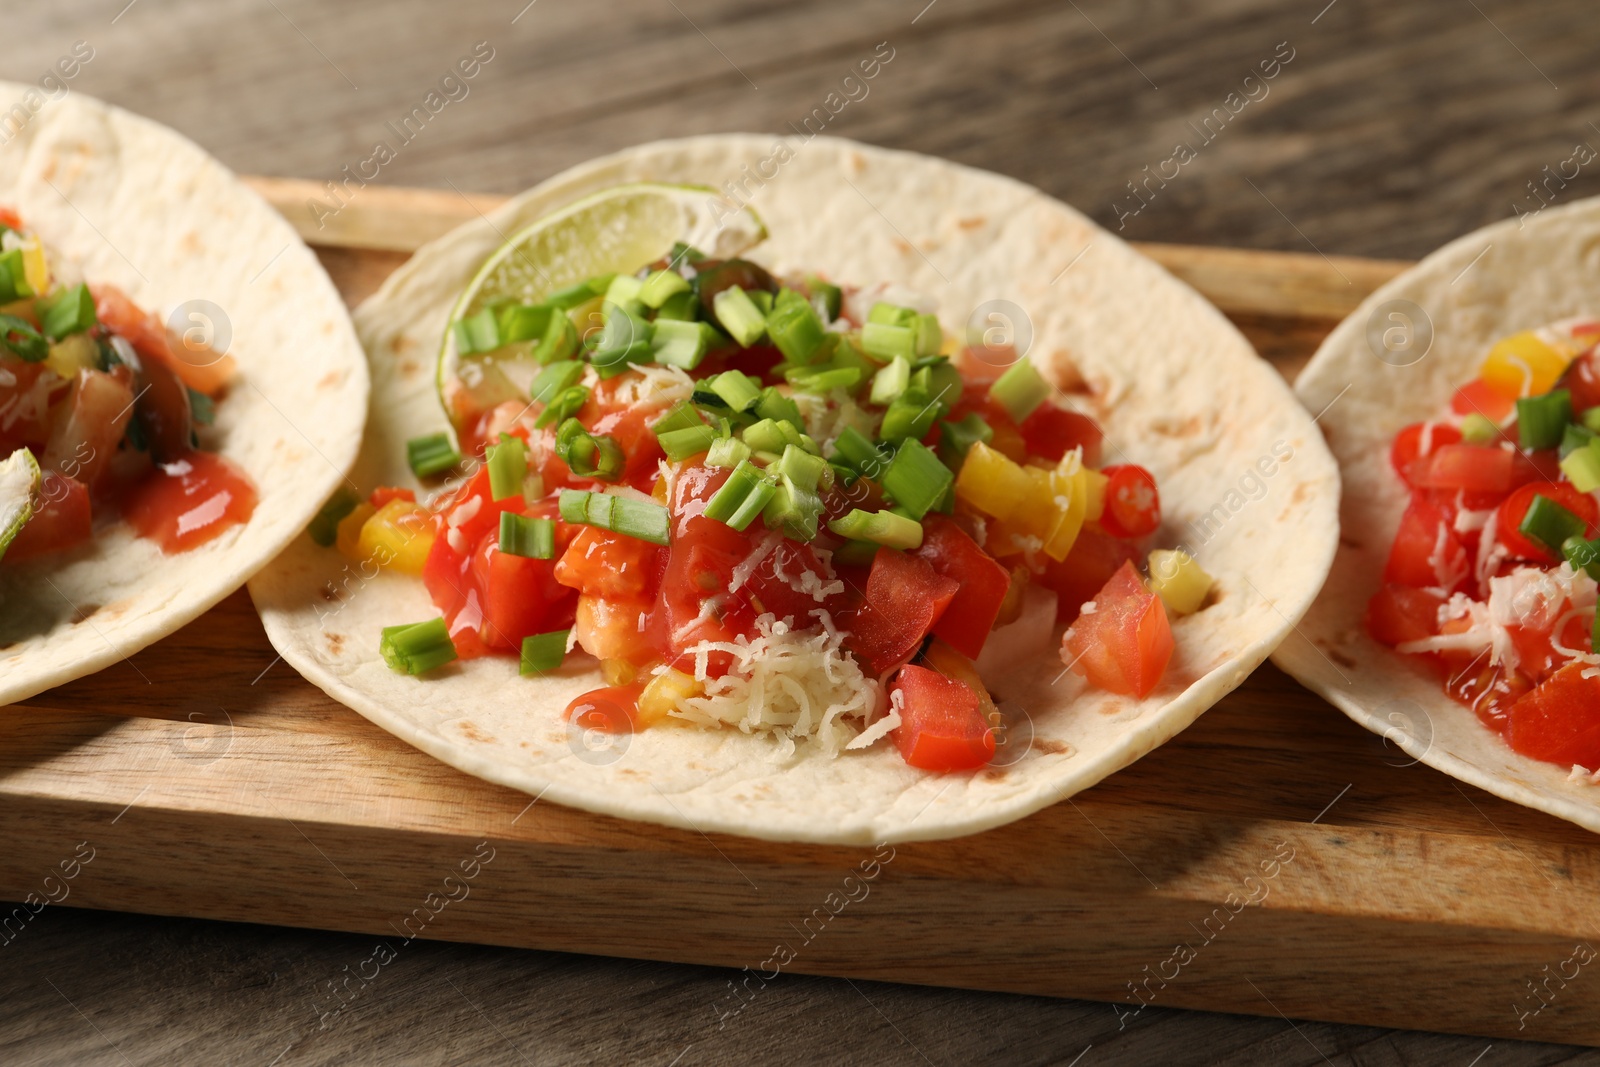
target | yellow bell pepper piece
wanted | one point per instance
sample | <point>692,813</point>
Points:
<point>666,692</point>
<point>1094,484</point>
<point>993,484</point>
<point>35,268</point>
<point>1524,365</point>
<point>1180,582</point>
<point>348,536</point>
<point>1074,488</point>
<point>71,354</point>
<point>399,535</point>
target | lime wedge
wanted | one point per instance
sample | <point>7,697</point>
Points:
<point>615,230</point>
<point>19,490</point>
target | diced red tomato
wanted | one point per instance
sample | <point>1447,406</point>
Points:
<point>1125,644</point>
<point>1557,721</point>
<point>1398,614</point>
<point>1480,398</point>
<point>9,217</point>
<point>1487,469</point>
<point>61,520</point>
<point>1515,509</point>
<point>1583,380</point>
<point>629,424</point>
<point>905,598</point>
<point>1094,558</point>
<point>1133,503</point>
<point>941,727</point>
<point>200,368</point>
<point>612,710</point>
<point>696,602</point>
<point>601,563</point>
<point>1427,532</point>
<point>1419,441</point>
<point>519,596</point>
<point>190,501</point>
<point>26,424</point>
<point>982,587</point>
<point>1051,432</point>
<point>385,493</point>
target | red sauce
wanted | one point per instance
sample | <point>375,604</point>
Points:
<point>612,709</point>
<point>190,501</point>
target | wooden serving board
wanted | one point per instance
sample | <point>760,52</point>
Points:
<point>1274,859</point>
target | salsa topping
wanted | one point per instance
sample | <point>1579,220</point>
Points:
<point>769,504</point>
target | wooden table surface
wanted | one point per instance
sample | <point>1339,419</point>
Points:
<point>1386,130</point>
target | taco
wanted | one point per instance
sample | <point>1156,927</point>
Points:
<point>740,516</point>
<point>179,389</point>
<point>1463,400</point>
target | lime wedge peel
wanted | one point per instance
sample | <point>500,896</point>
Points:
<point>20,480</point>
<point>613,230</point>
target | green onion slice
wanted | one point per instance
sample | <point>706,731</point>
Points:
<point>853,447</point>
<point>324,526</point>
<point>885,342</point>
<point>528,537</point>
<point>909,416</point>
<point>831,296</point>
<point>891,381</point>
<point>570,297</point>
<point>742,497</point>
<point>739,315</point>
<point>683,416</point>
<point>418,647</point>
<point>589,455</point>
<point>430,455</point>
<point>1582,466</point>
<point>680,343</point>
<point>736,388</point>
<point>543,653</point>
<point>1550,524</point>
<point>1541,420</point>
<point>916,480</point>
<point>661,285</point>
<point>507,461</point>
<point>1478,429</point>
<point>795,327</point>
<point>880,527</point>
<point>679,445</point>
<point>68,312</point>
<point>1583,554</point>
<point>957,438</point>
<point>727,452</point>
<point>560,340</point>
<point>643,519</point>
<point>19,338</point>
<point>566,404</point>
<point>779,408</point>
<point>891,314</point>
<point>1020,390</point>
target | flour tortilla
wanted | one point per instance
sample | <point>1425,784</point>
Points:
<point>124,201</point>
<point>1529,274</point>
<point>1174,384</point>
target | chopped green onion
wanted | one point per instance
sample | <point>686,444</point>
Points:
<point>202,409</point>
<point>661,285</point>
<point>477,333</point>
<point>1583,554</point>
<point>679,445</point>
<point>589,455</point>
<point>418,647</point>
<point>643,519</point>
<point>794,508</point>
<point>13,277</point>
<point>1550,524</point>
<point>543,653</point>
<point>566,404</point>
<point>1582,467</point>
<point>681,343</point>
<point>527,537</point>
<point>855,553</point>
<point>19,338</point>
<point>570,297</point>
<point>524,322</point>
<point>886,342</point>
<point>324,526</point>
<point>930,335</point>
<point>1541,419</point>
<point>939,381</point>
<point>891,381</point>
<point>560,341</point>
<point>823,379</point>
<point>623,290</point>
<point>916,480</point>
<point>685,253</point>
<point>508,465</point>
<point>739,315</point>
<point>681,417</point>
<point>1478,429</point>
<point>769,435</point>
<point>554,379</point>
<point>1594,635</point>
<point>879,527</point>
<point>1574,437</point>
<point>624,339</point>
<point>67,312</point>
<point>957,438</point>
<point>680,307</point>
<point>1591,419</point>
<point>763,299</point>
<point>795,327</point>
<point>727,452</point>
<point>830,295</point>
<point>741,498</point>
<point>774,405</point>
<point>807,471</point>
<point>909,417</point>
<point>861,454</point>
<point>430,455</point>
<point>1020,389</point>
<point>891,314</point>
<point>737,389</point>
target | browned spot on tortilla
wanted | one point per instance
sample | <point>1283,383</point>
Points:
<point>84,612</point>
<point>470,729</point>
<point>116,607</point>
<point>629,771</point>
<point>972,223</point>
<point>402,344</point>
<point>192,244</point>
<point>409,368</point>
<point>1169,428</point>
<point>994,774</point>
<point>1068,378</point>
<point>904,246</point>
<point>1113,707</point>
<point>329,593</point>
<point>1341,659</point>
<point>335,642</point>
<point>1301,493</point>
<point>329,380</point>
<point>1051,748</point>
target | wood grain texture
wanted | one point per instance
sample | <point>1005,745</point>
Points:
<point>1394,128</point>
